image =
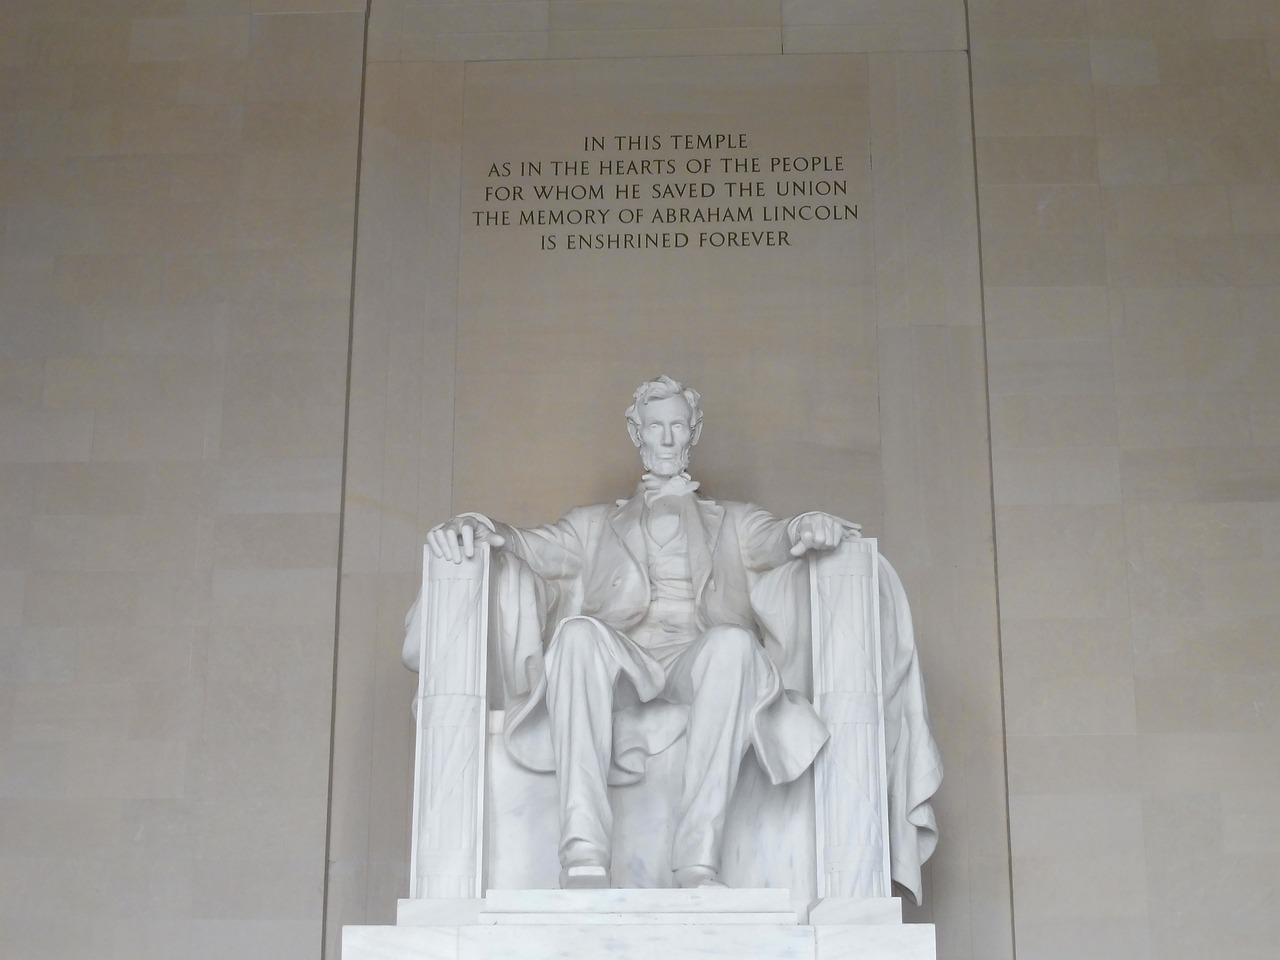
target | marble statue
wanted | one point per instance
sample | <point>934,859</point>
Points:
<point>626,626</point>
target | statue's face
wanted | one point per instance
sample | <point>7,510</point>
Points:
<point>665,435</point>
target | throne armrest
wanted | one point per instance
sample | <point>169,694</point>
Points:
<point>850,786</point>
<point>448,800</point>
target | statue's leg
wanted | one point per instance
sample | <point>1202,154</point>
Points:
<point>719,678</point>
<point>580,683</point>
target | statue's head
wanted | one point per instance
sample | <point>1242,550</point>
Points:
<point>664,422</point>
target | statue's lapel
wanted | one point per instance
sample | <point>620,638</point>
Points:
<point>626,522</point>
<point>704,534</point>
<point>703,520</point>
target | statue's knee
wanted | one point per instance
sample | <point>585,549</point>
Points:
<point>729,648</point>
<point>576,640</point>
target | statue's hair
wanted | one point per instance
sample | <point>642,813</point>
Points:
<point>664,388</point>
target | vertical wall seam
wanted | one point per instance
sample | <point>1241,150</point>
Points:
<point>991,445</point>
<point>342,489</point>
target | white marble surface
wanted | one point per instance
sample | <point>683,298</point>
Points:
<point>399,943</point>
<point>908,941</point>
<point>654,919</point>
<point>698,900</point>
<point>674,941</point>
<point>832,911</point>
<point>670,942</point>
<point>845,910</point>
<point>437,913</point>
<point>642,923</point>
<point>706,905</point>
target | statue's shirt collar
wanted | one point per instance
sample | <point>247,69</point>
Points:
<point>655,487</point>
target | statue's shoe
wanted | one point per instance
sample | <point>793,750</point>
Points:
<point>699,876</point>
<point>584,875</point>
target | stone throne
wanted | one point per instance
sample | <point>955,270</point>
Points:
<point>812,864</point>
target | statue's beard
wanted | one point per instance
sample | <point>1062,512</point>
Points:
<point>662,466</point>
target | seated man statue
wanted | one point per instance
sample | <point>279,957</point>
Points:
<point>657,636</point>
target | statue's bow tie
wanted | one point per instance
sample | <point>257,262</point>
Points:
<point>657,487</point>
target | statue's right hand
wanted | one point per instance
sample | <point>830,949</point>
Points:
<point>457,538</point>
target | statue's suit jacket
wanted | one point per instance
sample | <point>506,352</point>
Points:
<point>599,551</point>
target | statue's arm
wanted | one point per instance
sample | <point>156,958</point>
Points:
<point>819,531</point>
<point>768,542</point>
<point>553,551</point>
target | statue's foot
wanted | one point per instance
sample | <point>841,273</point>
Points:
<point>698,876</point>
<point>584,875</point>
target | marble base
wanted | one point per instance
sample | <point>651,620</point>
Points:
<point>649,907</point>
<point>639,925</point>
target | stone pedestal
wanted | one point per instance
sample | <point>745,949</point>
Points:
<point>642,925</point>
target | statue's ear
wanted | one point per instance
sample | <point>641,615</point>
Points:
<point>633,430</point>
<point>697,432</point>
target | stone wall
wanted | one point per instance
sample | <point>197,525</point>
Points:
<point>1129,195</point>
<point>177,189</point>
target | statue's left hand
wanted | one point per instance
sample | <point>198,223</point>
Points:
<point>458,538</point>
<point>821,531</point>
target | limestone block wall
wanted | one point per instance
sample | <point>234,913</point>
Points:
<point>1129,195</point>
<point>177,187</point>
